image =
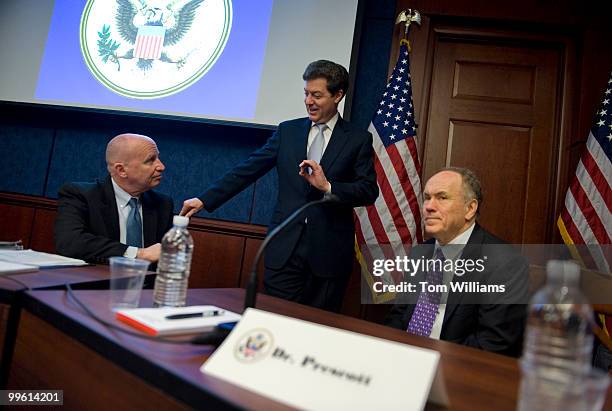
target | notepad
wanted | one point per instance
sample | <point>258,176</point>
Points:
<point>154,321</point>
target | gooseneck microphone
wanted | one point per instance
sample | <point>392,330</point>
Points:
<point>217,336</point>
<point>251,287</point>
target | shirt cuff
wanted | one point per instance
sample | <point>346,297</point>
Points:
<point>131,252</point>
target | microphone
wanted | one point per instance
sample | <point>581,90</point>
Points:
<point>217,336</point>
<point>251,287</point>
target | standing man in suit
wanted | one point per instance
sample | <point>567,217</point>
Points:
<point>492,322</point>
<point>311,260</point>
<point>120,215</point>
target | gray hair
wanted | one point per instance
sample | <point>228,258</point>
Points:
<point>471,184</point>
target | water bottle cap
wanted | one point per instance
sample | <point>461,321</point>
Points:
<point>565,272</point>
<point>180,221</point>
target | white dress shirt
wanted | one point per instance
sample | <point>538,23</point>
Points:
<point>450,253</point>
<point>123,198</point>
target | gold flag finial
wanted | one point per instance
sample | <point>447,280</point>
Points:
<point>408,17</point>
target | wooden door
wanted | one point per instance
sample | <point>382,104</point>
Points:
<point>494,108</point>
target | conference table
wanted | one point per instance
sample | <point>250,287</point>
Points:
<point>59,346</point>
<point>12,287</point>
<point>57,277</point>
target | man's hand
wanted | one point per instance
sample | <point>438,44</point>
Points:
<point>150,253</point>
<point>317,179</point>
<point>191,206</point>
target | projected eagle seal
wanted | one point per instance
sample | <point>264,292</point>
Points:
<point>148,49</point>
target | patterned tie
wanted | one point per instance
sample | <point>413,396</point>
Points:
<point>426,308</point>
<point>315,152</point>
<point>134,225</point>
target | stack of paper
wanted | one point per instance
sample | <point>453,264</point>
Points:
<point>38,259</point>
<point>14,268</point>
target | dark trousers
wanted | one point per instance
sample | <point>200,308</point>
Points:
<point>296,281</point>
<point>602,358</point>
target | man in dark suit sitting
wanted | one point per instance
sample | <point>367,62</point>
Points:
<point>486,320</point>
<point>119,215</point>
<point>311,260</point>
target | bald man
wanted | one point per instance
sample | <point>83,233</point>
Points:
<point>119,215</point>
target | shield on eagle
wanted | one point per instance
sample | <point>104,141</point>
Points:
<point>149,42</point>
<point>149,49</point>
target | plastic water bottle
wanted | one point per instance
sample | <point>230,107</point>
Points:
<point>556,361</point>
<point>174,266</point>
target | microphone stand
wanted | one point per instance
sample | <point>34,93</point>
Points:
<point>218,335</point>
<point>251,287</point>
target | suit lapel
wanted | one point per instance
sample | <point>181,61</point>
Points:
<point>301,141</point>
<point>108,209</point>
<point>149,220</point>
<point>472,251</point>
<point>336,144</point>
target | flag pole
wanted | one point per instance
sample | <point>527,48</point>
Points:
<point>392,224</point>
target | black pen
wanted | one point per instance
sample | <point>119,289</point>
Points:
<point>212,313</point>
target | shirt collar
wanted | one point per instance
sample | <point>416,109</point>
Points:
<point>456,244</point>
<point>331,123</point>
<point>120,194</point>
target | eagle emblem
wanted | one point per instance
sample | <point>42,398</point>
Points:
<point>153,48</point>
<point>254,345</point>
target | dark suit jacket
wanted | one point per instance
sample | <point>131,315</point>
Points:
<point>497,323</point>
<point>348,165</point>
<point>87,222</point>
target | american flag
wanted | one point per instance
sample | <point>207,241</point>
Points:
<point>587,215</point>
<point>393,224</point>
<point>149,42</point>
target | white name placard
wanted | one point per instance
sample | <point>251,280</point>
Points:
<point>316,367</point>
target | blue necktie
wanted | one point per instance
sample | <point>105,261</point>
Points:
<point>134,225</point>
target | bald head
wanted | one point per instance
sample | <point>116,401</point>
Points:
<point>133,162</point>
<point>122,147</point>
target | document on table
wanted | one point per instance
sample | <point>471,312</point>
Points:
<point>38,259</point>
<point>14,268</point>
